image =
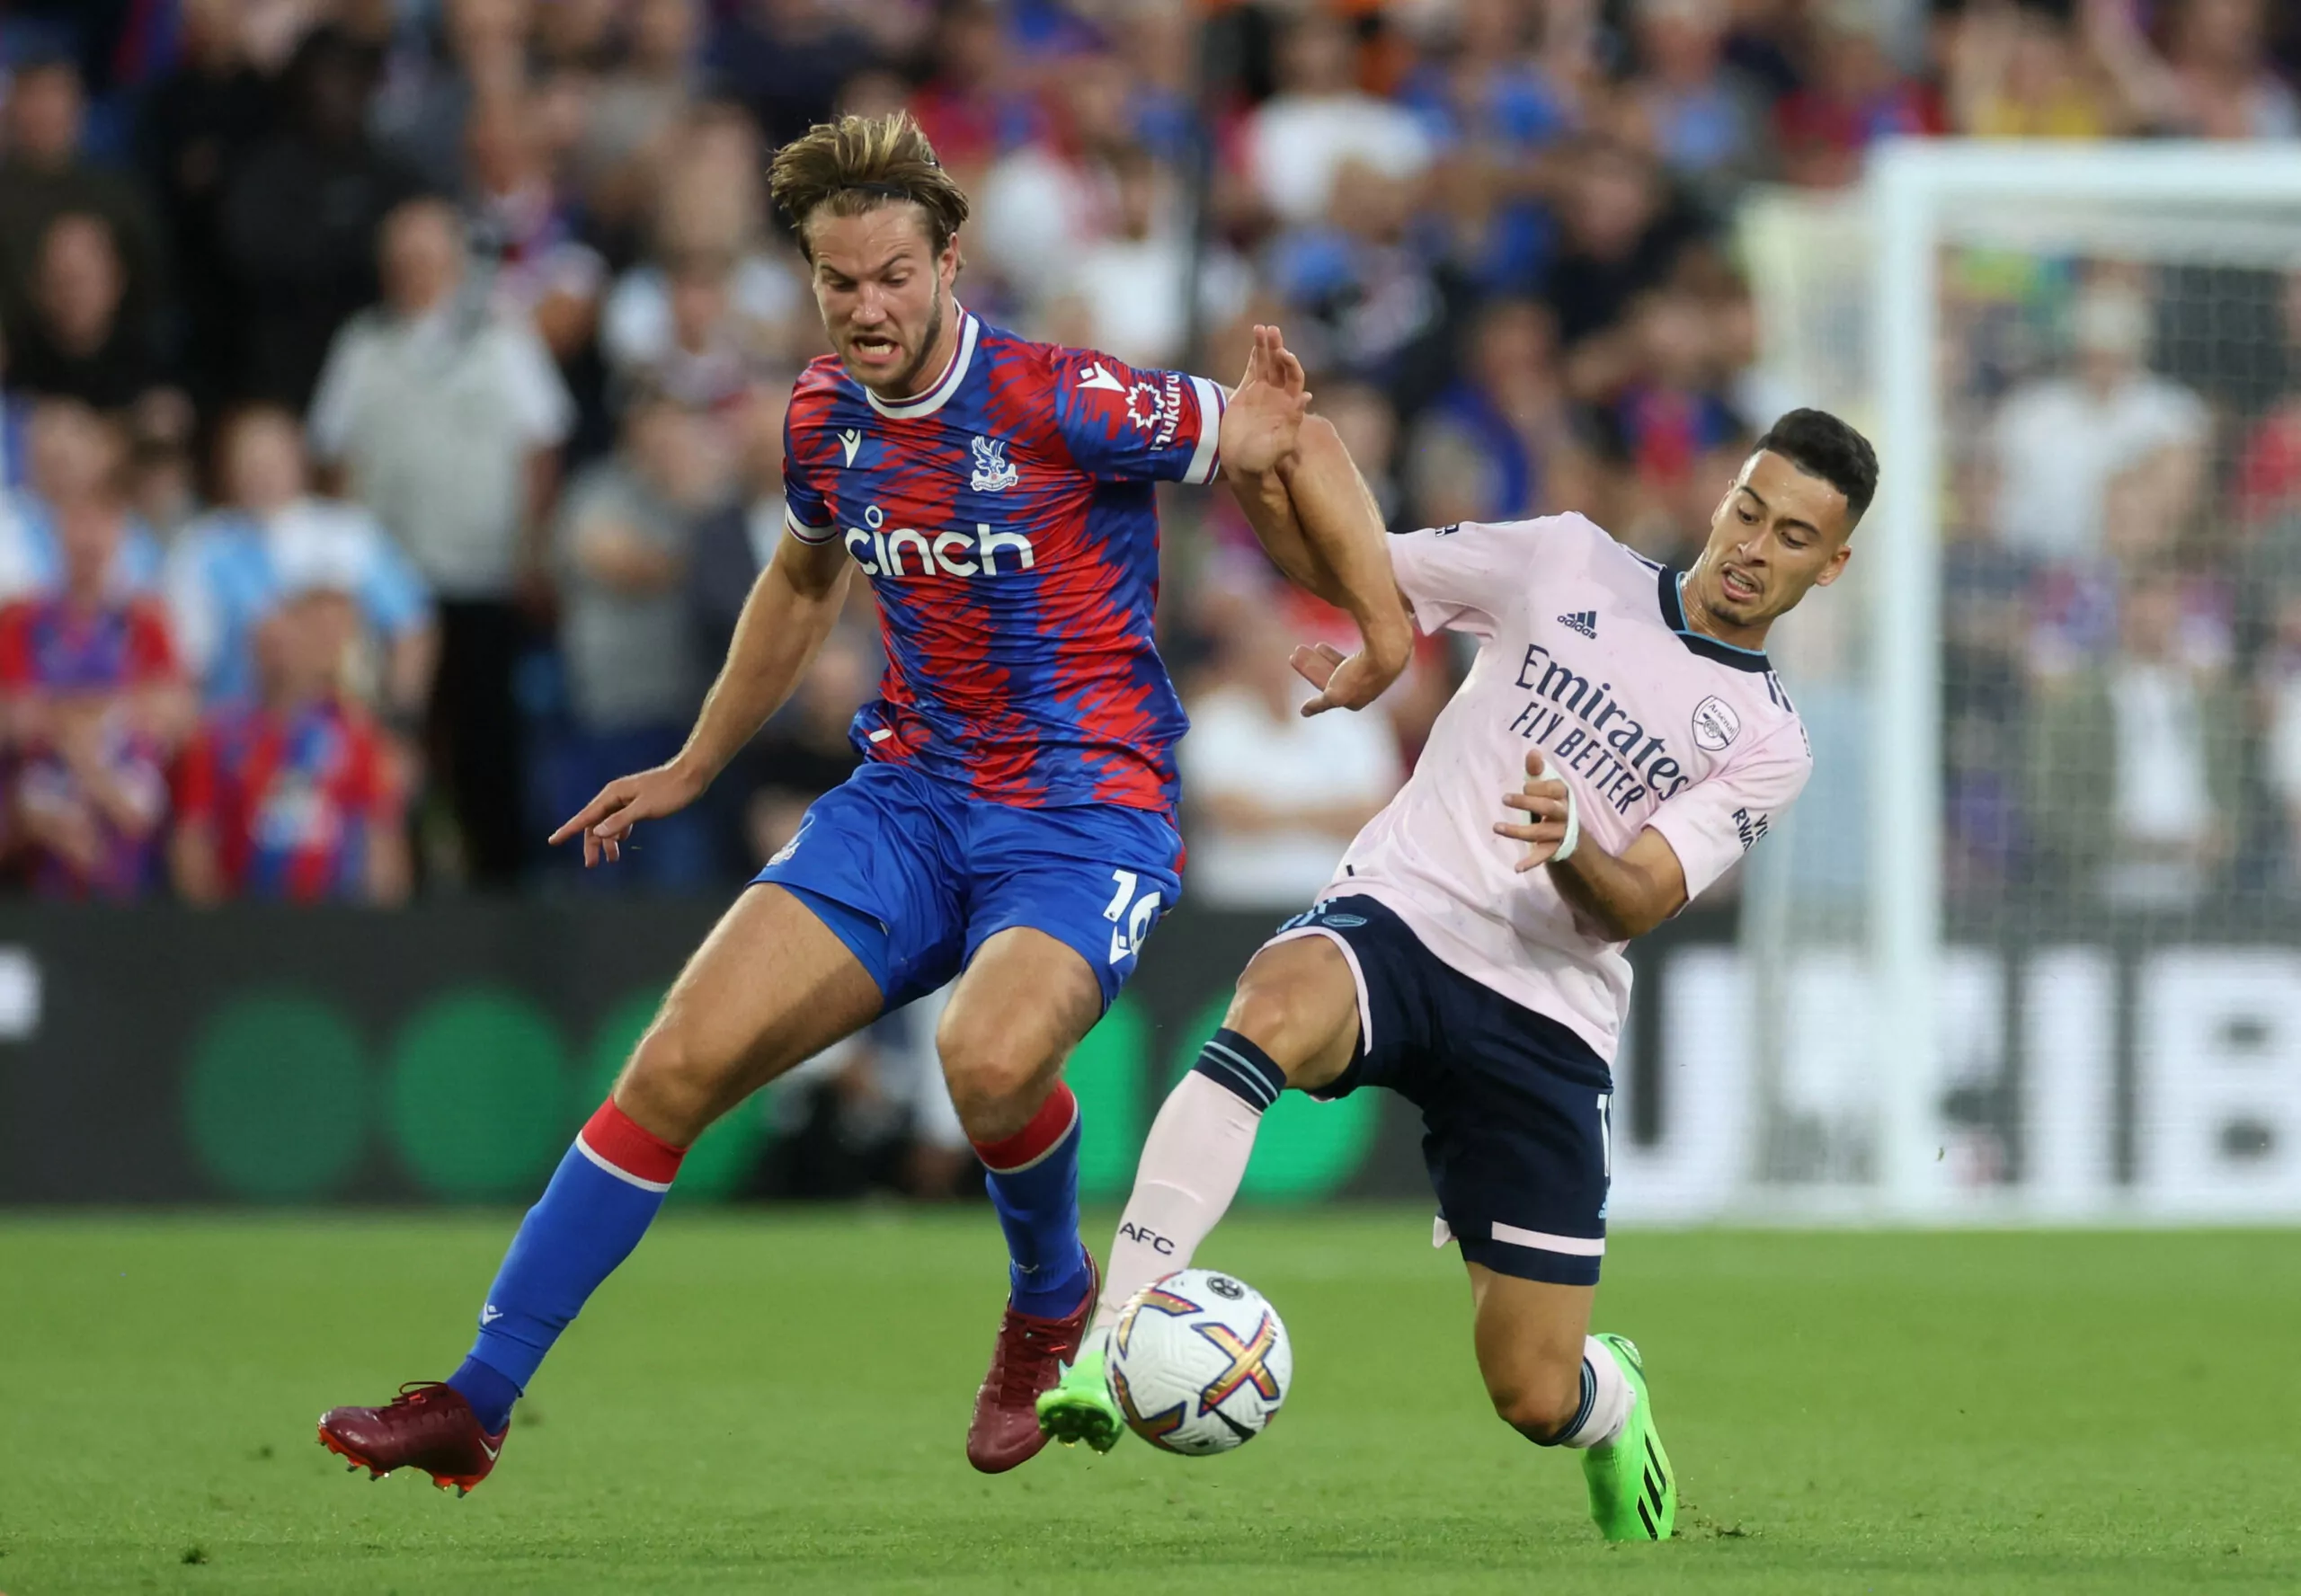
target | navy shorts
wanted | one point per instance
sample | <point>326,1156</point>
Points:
<point>914,873</point>
<point>1515,1106</point>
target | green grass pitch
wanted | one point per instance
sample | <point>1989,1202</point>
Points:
<point>775,1401</point>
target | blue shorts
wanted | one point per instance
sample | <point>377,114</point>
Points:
<point>1515,1106</point>
<point>914,875</point>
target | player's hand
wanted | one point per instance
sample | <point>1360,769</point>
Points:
<point>1262,424</point>
<point>1347,681</point>
<point>605,822</point>
<point>1543,802</point>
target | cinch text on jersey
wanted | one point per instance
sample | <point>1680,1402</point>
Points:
<point>881,553</point>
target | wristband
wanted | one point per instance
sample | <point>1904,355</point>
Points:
<point>1573,827</point>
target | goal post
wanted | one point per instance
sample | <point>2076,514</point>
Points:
<point>2062,1040</point>
<point>1905,743</point>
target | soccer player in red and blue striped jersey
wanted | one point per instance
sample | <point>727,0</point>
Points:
<point>1013,823</point>
<point>1006,519</point>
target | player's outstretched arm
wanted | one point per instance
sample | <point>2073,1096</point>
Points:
<point>1262,426</point>
<point>790,611</point>
<point>1342,526</point>
<point>1311,511</point>
<point>1623,895</point>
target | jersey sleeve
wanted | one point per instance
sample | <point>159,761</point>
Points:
<point>1462,578</point>
<point>1721,817</point>
<point>806,512</point>
<point>1133,425</point>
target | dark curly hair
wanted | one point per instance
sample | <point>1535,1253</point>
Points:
<point>1820,445</point>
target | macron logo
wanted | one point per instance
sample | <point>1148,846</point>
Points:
<point>850,439</point>
<point>1585,621</point>
<point>490,1314</point>
<point>1097,377</point>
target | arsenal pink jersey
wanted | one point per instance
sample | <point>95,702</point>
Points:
<point>1585,654</point>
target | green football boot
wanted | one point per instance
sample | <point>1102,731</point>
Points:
<point>1633,1495</point>
<point>1081,1408</point>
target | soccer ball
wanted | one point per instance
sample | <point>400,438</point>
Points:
<point>1199,1362</point>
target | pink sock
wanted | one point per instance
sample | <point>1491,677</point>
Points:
<point>1191,1167</point>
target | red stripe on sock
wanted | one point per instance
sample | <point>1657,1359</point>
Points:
<point>625,1143</point>
<point>1028,1146</point>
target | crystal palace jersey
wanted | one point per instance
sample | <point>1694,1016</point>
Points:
<point>289,798</point>
<point>1583,654</point>
<point>86,663</point>
<point>1006,521</point>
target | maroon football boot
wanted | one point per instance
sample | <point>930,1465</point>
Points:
<point>428,1425</point>
<point>1026,1360</point>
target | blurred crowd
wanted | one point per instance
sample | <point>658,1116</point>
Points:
<point>391,401</point>
<point>2122,598</point>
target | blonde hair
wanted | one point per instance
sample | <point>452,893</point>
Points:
<point>858,163</point>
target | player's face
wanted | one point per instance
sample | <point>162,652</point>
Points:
<point>884,291</point>
<point>1777,533</point>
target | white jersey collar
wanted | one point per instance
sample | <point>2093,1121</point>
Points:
<point>936,397</point>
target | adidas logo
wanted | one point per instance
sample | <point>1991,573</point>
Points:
<point>1585,621</point>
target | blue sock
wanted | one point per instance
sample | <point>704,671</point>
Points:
<point>600,1203</point>
<point>1032,1177</point>
<point>490,1394</point>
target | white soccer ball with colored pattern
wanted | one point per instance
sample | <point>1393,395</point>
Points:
<point>1199,1362</point>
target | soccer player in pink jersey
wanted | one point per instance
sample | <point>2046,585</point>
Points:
<point>1618,743</point>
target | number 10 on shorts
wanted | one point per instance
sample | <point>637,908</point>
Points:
<point>1130,916</point>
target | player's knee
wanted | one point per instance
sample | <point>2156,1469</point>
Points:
<point>1539,1405</point>
<point>672,1087</point>
<point>1261,1011</point>
<point>991,1079</point>
<point>1273,1013</point>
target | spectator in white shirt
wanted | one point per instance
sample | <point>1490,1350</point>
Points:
<point>1299,140</point>
<point>2059,441</point>
<point>1275,798</point>
<point>272,537</point>
<point>446,417</point>
<point>1136,284</point>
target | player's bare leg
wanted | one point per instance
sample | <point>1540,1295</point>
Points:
<point>1293,1022</point>
<point>1558,1385</point>
<point>1014,1016</point>
<point>770,987</point>
<point>1024,1003</point>
<point>1529,1336</point>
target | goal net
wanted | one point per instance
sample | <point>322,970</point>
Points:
<point>2029,947</point>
